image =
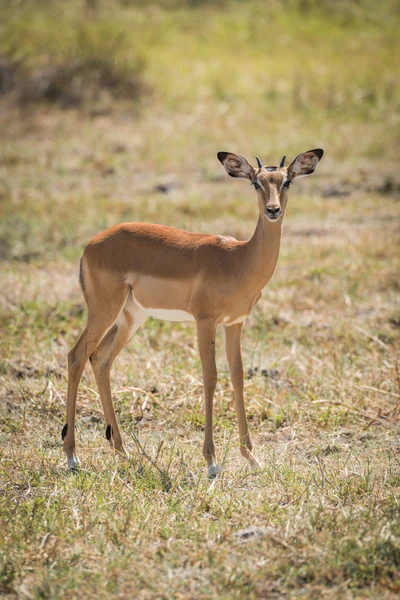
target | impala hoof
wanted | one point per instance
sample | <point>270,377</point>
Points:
<point>74,463</point>
<point>214,471</point>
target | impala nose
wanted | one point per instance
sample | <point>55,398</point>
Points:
<point>273,212</point>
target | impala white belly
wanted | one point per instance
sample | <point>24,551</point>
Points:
<point>166,300</point>
<point>165,314</point>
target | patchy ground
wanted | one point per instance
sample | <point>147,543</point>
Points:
<point>322,388</point>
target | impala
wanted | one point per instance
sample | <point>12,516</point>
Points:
<point>133,271</point>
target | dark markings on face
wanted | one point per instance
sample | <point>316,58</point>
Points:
<point>234,166</point>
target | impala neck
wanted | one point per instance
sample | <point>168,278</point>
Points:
<point>262,251</point>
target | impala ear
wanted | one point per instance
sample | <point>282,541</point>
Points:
<point>305,164</point>
<point>237,166</point>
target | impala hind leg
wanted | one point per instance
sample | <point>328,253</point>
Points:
<point>100,319</point>
<point>128,322</point>
<point>206,339</point>
<point>233,350</point>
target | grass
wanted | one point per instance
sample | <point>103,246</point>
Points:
<point>92,61</point>
<point>321,350</point>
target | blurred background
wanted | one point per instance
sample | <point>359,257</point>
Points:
<point>115,110</point>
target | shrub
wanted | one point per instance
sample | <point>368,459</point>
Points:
<point>84,60</point>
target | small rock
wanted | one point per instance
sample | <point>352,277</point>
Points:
<point>254,531</point>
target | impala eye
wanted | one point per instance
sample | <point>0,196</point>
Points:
<point>257,186</point>
<point>287,183</point>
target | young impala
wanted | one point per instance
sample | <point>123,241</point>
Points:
<point>136,270</point>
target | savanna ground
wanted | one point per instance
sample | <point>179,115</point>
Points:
<point>115,112</point>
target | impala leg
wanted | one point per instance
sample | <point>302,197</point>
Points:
<point>206,340</point>
<point>233,350</point>
<point>99,322</point>
<point>77,359</point>
<point>76,364</point>
<point>102,359</point>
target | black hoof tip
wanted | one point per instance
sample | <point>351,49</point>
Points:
<point>213,472</point>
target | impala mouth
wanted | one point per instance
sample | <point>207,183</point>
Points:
<point>273,216</point>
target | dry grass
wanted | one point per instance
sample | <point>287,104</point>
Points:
<point>321,350</point>
<point>321,355</point>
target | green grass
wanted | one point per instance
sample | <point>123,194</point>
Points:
<point>321,349</point>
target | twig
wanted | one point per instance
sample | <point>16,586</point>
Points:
<point>166,480</point>
<point>144,453</point>
<point>374,419</point>
<point>91,390</point>
<point>373,337</point>
<point>136,389</point>
<point>264,400</point>
<point>160,445</point>
<point>374,389</point>
<point>350,408</point>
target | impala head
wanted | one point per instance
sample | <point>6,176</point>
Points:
<point>271,183</point>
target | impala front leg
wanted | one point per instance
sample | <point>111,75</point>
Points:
<point>206,338</point>
<point>233,350</point>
